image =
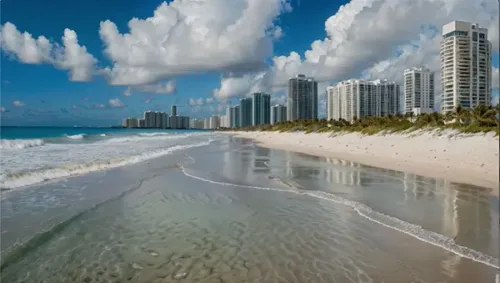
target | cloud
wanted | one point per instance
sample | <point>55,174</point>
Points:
<point>74,107</point>
<point>195,102</point>
<point>69,56</point>
<point>169,87</point>
<point>116,103</point>
<point>97,106</point>
<point>209,100</point>
<point>18,103</point>
<point>372,39</point>
<point>192,36</point>
<point>127,92</point>
<point>3,110</point>
<point>238,86</point>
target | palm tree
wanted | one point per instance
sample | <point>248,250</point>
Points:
<point>460,115</point>
<point>483,116</point>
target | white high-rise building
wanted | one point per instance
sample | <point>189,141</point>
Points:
<point>418,91</point>
<point>215,122</point>
<point>359,98</point>
<point>465,66</point>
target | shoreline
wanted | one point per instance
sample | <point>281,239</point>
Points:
<point>462,158</point>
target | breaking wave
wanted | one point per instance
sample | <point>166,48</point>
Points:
<point>20,144</point>
<point>21,179</point>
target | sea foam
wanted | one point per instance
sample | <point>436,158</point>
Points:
<point>27,178</point>
<point>20,144</point>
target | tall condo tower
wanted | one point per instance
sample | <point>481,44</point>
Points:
<point>418,91</point>
<point>245,112</point>
<point>465,66</point>
<point>261,109</point>
<point>302,98</point>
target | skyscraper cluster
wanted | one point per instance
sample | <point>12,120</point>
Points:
<point>158,120</point>
<point>465,79</point>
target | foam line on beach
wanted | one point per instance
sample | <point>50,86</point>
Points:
<point>20,144</point>
<point>387,221</point>
<point>34,177</point>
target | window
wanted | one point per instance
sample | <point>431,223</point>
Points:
<point>474,36</point>
<point>482,36</point>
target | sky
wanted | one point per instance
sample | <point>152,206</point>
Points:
<point>92,63</point>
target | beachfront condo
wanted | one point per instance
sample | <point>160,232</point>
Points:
<point>261,109</point>
<point>278,114</point>
<point>465,66</point>
<point>359,98</point>
<point>302,98</point>
<point>418,91</point>
<point>246,112</point>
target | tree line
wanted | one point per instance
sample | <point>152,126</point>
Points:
<point>482,118</point>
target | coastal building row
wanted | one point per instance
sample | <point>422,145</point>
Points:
<point>465,57</point>
<point>465,60</point>
<point>358,98</point>
<point>158,120</point>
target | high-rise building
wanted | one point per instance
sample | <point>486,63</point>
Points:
<point>164,120</point>
<point>465,66</point>
<point>236,117</point>
<point>358,98</point>
<point>173,110</point>
<point>333,103</point>
<point>125,122</point>
<point>246,112</point>
<point>158,120</point>
<point>206,123</point>
<point>261,109</point>
<point>230,116</point>
<point>142,123</point>
<point>418,91</point>
<point>150,119</point>
<point>197,123</point>
<point>214,122</point>
<point>278,114</point>
<point>302,98</point>
<point>133,123</point>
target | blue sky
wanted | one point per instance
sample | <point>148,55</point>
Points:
<point>47,96</point>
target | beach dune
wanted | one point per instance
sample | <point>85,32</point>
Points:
<point>463,158</point>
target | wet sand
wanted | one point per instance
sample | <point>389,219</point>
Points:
<point>463,158</point>
<point>236,212</point>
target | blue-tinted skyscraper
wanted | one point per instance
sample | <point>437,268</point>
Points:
<point>245,112</point>
<point>261,109</point>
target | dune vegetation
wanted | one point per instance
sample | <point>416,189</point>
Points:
<point>479,119</point>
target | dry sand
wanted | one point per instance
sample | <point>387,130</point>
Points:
<point>463,158</point>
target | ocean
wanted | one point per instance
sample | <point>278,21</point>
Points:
<point>115,205</point>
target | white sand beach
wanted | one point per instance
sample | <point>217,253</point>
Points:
<point>464,158</point>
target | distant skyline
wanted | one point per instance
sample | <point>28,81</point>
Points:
<point>126,57</point>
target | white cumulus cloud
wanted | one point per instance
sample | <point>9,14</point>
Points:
<point>187,36</point>
<point>372,39</point>
<point>196,102</point>
<point>18,103</point>
<point>169,87</point>
<point>116,103</point>
<point>69,56</point>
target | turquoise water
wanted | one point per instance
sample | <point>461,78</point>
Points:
<point>53,132</point>
<point>32,155</point>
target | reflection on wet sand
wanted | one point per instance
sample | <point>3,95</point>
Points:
<point>219,215</point>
